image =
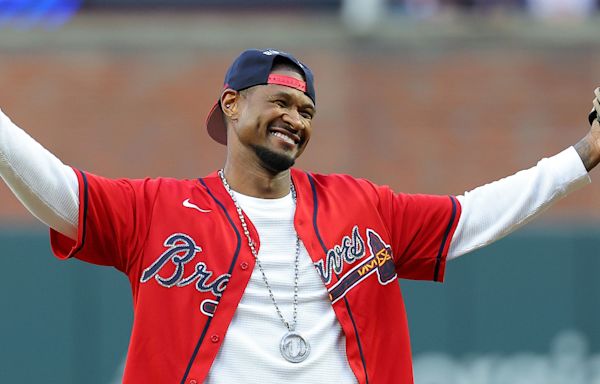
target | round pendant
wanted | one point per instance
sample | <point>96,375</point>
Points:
<point>294,348</point>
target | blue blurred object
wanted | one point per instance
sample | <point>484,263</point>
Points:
<point>28,14</point>
<point>220,4</point>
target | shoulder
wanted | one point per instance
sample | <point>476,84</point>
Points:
<point>154,185</point>
<point>343,187</point>
<point>162,182</point>
<point>342,181</point>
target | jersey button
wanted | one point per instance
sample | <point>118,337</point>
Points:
<point>193,381</point>
<point>215,338</point>
<point>244,265</point>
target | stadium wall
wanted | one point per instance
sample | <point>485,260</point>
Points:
<point>431,110</point>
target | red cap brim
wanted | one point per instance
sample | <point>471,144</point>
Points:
<point>215,125</point>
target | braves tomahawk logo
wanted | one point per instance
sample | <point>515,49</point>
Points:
<point>381,263</point>
<point>181,249</point>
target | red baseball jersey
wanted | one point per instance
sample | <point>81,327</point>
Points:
<point>183,249</point>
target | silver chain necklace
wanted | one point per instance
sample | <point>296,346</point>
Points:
<point>293,346</point>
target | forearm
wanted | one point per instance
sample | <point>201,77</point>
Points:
<point>45,186</point>
<point>494,210</point>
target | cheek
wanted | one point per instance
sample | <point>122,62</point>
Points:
<point>248,121</point>
<point>246,116</point>
<point>257,116</point>
<point>307,134</point>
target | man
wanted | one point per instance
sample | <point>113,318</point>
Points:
<point>262,272</point>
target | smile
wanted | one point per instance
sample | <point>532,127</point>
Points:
<point>283,137</point>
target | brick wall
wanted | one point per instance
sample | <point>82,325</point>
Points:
<point>421,120</point>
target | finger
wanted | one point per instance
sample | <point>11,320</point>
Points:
<point>594,115</point>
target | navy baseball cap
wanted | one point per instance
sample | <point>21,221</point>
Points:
<point>253,67</point>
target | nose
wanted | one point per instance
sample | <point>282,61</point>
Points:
<point>294,119</point>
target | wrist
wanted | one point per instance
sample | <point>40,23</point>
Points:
<point>588,149</point>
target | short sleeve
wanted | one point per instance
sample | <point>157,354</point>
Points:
<point>114,217</point>
<point>421,227</point>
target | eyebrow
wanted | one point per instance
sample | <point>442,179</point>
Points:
<point>289,96</point>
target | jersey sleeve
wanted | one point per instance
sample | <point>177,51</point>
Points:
<point>114,217</point>
<point>421,228</point>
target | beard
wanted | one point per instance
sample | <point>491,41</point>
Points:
<point>273,161</point>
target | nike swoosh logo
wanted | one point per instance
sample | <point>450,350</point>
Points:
<point>187,204</point>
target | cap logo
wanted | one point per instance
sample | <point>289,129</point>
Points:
<point>271,52</point>
<point>288,81</point>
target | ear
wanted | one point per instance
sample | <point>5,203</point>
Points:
<point>229,103</point>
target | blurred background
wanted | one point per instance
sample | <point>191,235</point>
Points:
<point>429,96</point>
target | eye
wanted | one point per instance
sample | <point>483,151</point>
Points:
<point>306,115</point>
<point>280,103</point>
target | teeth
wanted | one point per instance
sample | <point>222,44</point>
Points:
<point>283,137</point>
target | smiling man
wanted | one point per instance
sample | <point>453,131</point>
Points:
<point>261,272</point>
<point>271,124</point>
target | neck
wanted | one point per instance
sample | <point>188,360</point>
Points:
<point>253,180</point>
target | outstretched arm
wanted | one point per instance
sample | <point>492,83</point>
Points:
<point>45,186</point>
<point>494,210</point>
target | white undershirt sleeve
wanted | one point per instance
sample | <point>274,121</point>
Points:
<point>45,186</point>
<point>494,210</point>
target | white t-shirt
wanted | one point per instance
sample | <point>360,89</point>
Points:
<point>256,329</point>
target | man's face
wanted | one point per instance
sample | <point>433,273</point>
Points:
<point>274,121</point>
